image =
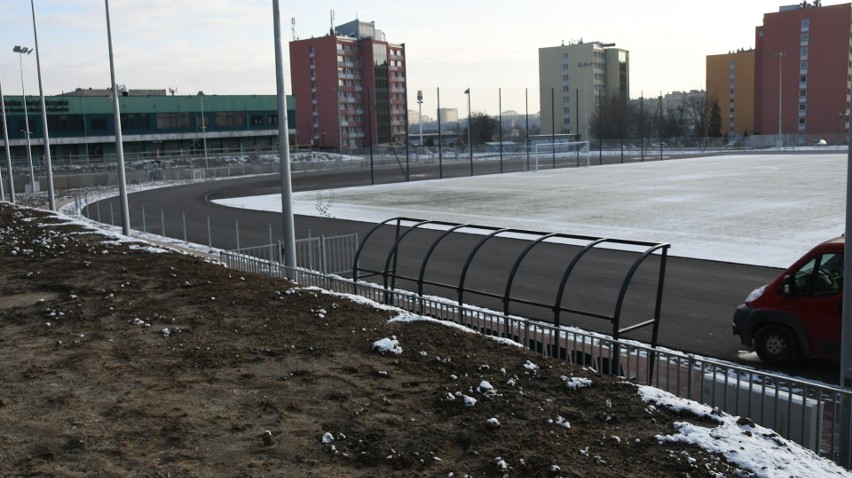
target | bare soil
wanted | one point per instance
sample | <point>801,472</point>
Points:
<point>117,361</point>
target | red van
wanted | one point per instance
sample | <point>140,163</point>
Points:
<point>798,314</point>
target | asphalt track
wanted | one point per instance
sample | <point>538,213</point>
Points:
<point>698,300</point>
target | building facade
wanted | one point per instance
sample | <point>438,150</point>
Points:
<point>82,127</point>
<point>802,70</point>
<point>730,83</point>
<point>575,79</point>
<point>448,115</point>
<point>350,88</point>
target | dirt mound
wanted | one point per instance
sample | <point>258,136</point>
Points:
<point>125,360</point>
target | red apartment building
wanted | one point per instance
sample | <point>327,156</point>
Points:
<point>350,88</point>
<point>804,50</point>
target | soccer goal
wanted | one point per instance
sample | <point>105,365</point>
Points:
<point>565,150</point>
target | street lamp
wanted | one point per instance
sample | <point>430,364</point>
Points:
<point>204,135</point>
<point>469,143</point>
<point>21,51</point>
<point>779,55</point>
<point>420,114</point>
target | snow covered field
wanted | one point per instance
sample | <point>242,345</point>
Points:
<point>752,209</point>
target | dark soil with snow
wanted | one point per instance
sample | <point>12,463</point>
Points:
<point>119,361</point>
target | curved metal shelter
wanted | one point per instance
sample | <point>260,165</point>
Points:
<point>405,226</point>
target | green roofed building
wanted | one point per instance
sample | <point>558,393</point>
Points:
<point>81,124</point>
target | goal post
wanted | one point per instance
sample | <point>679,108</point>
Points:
<point>563,150</point>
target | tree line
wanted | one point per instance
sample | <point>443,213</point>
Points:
<point>692,116</point>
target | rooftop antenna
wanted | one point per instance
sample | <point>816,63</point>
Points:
<point>331,23</point>
<point>293,28</point>
<point>173,91</point>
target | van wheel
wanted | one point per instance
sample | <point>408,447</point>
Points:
<point>777,345</point>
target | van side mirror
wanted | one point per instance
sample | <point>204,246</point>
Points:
<point>788,286</point>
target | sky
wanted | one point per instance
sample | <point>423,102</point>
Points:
<point>227,47</point>
<point>733,208</point>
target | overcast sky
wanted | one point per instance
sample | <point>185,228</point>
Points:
<point>226,47</point>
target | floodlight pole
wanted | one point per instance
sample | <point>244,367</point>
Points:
<point>284,147</point>
<point>8,151</point>
<point>119,146</point>
<point>21,51</point>
<point>48,164</point>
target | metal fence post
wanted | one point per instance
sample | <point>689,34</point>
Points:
<point>322,258</point>
<point>271,244</point>
<point>111,215</point>
<point>162,223</point>
<point>144,221</point>
<point>237,230</point>
<point>183,219</point>
<point>98,207</point>
<point>209,233</point>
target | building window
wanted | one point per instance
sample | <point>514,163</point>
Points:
<point>172,120</point>
<point>98,124</point>
<point>135,121</point>
<point>231,118</point>
<point>804,38</point>
<point>803,53</point>
<point>256,120</point>
<point>68,122</point>
<point>806,24</point>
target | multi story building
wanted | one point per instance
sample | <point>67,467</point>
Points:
<point>575,79</point>
<point>802,70</point>
<point>350,88</point>
<point>448,115</point>
<point>730,83</point>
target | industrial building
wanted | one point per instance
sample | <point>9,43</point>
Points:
<point>82,128</point>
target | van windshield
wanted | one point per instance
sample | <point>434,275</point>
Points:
<point>821,276</point>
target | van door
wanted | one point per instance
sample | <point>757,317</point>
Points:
<point>815,298</point>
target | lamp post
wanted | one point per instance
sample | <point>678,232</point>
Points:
<point>8,152</point>
<point>469,143</point>
<point>779,55</point>
<point>204,135</point>
<point>119,144</point>
<point>420,114</point>
<point>47,162</point>
<point>21,51</point>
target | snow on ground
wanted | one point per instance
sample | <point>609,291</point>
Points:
<point>753,209</point>
<point>744,443</point>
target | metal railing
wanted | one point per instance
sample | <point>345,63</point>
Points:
<point>802,411</point>
<point>326,254</point>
